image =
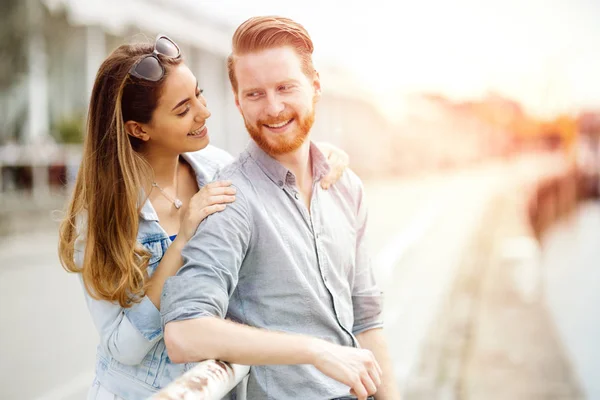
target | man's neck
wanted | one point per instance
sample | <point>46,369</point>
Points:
<point>299,163</point>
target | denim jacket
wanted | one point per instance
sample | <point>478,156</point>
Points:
<point>132,360</point>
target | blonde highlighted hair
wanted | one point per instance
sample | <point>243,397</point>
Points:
<point>261,33</point>
<point>110,182</point>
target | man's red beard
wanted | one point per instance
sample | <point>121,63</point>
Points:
<point>274,144</point>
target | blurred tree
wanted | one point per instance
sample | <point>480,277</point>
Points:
<point>69,129</point>
<point>13,41</point>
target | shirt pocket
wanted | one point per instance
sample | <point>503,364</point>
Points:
<point>157,249</point>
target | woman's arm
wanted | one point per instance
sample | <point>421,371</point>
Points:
<point>212,198</point>
<point>127,334</point>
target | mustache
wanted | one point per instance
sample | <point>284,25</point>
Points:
<point>281,118</point>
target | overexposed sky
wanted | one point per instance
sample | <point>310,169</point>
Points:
<point>543,53</point>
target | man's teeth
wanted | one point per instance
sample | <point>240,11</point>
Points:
<point>197,131</point>
<point>279,125</point>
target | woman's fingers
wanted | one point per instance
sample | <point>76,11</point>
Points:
<point>217,184</point>
<point>219,199</point>
<point>206,211</point>
<point>211,195</point>
<point>338,165</point>
<point>221,190</point>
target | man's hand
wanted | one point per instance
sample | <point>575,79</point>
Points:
<point>356,368</point>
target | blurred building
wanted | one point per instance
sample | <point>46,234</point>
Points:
<point>64,44</point>
<point>68,40</point>
<point>42,109</point>
<point>438,133</point>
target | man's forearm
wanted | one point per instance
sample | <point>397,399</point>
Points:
<point>214,338</point>
<point>374,340</point>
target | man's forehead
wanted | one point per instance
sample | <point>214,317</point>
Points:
<point>267,65</point>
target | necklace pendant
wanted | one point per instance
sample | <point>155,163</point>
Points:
<point>177,203</point>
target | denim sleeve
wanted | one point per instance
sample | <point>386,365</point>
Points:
<point>367,299</point>
<point>126,334</point>
<point>212,259</point>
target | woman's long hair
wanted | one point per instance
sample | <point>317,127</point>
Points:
<point>108,193</point>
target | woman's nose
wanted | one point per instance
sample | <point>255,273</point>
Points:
<point>203,112</point>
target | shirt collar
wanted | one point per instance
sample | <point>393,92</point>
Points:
<point>147,212</point>
<point>279,174</point>
<point>319,162</point>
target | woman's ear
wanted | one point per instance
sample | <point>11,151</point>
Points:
<point>136,130</point>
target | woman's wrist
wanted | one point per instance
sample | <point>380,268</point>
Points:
<point>179,242</point>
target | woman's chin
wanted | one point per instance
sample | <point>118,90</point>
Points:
<point>199,143</point>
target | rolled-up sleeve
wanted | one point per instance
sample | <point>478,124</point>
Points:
<point>145,317</point>
<point>212,259</point>
<point>367,298</point>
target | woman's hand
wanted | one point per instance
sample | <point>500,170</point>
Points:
<point>211,198</point>
<point>338,161</point>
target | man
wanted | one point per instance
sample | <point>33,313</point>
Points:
<point>287,262</point>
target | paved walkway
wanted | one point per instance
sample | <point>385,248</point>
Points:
<point>494,338</point>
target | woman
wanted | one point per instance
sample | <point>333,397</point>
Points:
<point>141,191</point>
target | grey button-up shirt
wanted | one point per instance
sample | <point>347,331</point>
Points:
<point>266,261</point>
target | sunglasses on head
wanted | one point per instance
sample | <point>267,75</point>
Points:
<point>149,67</point>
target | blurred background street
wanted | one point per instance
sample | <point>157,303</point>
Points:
<point>476,130</point>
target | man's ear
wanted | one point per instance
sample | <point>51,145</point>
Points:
<point>237,102</point>
<point>136,130</point>
<point>317,86</point>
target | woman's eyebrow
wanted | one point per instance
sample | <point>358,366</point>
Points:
<point>184,100</point>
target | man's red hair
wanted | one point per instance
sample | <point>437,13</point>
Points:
<point>261,33</point>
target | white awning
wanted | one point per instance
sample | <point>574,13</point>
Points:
<point>169,17</point>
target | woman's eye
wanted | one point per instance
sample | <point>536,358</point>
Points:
<point>199,92</point>
<point>187,108</point>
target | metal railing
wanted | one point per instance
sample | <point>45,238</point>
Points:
<point>209,380</point>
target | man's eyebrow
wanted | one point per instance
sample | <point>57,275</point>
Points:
<point>184,100</point>
<point>250,90</point>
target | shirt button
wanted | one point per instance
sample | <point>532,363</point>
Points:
<point>296,195</point>
<point>280,183</point>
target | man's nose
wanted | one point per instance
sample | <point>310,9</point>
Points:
<point>274,106</point>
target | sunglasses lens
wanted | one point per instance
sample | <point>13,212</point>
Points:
<point>166,47</point>
<point>149,68</point>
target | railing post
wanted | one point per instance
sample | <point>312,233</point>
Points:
<point>209,380</point>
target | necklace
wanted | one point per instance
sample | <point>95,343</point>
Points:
<point>176,202</point>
